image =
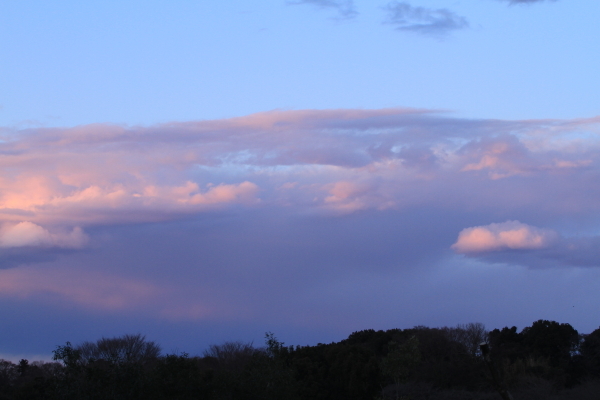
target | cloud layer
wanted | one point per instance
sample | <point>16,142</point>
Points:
<point>263,219</point>
<point>56,182</point>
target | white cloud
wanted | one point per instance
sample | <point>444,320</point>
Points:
<point>29,234</point>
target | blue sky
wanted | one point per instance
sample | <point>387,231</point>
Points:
<point>209,171</point>
<point>67,63</point>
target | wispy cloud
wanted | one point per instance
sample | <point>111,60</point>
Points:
<point>427,21</point>
<point>526,1</point>
<point>345,8</point>
<point>89,289</point>
<point>102,291</point>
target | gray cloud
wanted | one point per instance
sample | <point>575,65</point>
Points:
<point>345,8</point>
<point>423,20</point>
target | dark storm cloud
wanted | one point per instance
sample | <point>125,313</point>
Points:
<point>427,21</point>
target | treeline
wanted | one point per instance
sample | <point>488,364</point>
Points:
<point>547,360</point>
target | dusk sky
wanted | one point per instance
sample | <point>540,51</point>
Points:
<point>203,171</point>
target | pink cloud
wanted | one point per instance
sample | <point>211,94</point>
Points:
<point>503,236</point>
<point>346,196</point>
<point>88,289</point>
<point>501,157</point>
<point>333,160</point>
<point>243,192</point>
<point>282,119</point>
<point>105,292</point>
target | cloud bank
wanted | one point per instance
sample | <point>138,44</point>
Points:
<point>262,219</point>
<point>56,183</point>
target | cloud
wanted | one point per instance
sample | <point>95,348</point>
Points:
<point>525,1</point>
<point>509,235</point>
<point>29,234</point>
<point>57,182</point>
<point>501,157</point>
<point>423,20</point>
<point>346,196</point>
<point>345,8</point>
<point>106,292</point>
<point>88,289</point>
<point>263,218</point>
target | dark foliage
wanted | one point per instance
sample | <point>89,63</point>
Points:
<point>590,353</point>
<point>547,360</point>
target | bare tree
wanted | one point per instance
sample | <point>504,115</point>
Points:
<point>470,335</point>
<point>232,355</point>
<point>8,373</point>
<point>124,349</point>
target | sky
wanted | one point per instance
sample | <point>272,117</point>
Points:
<point>205,171</point>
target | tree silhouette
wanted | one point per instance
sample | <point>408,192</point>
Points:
<point>123,350</point>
